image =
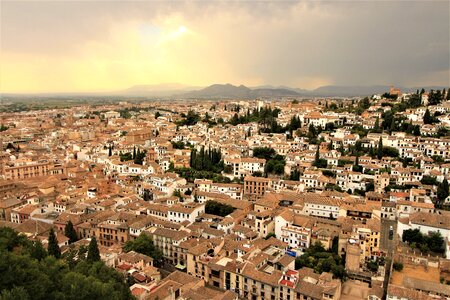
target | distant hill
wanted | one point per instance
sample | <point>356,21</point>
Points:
<point>300,91</point>
<point>228,91</point>
<point>243,92</point>
<point>277,92</point>
<point>220,91</point>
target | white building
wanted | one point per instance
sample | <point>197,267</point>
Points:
<point>185,212</point>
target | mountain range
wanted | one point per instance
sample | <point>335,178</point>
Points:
<point>229,91</point>
<point>232,91</point>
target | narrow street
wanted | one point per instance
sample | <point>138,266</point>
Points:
<point>388,245</point>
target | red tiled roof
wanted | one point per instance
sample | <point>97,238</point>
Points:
<point>125,267</point>
<point>287,283</point>
<point>139,277</point>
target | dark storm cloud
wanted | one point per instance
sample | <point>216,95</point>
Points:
<point>292,43</point>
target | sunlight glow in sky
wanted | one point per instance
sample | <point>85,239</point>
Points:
<point>71,46</point>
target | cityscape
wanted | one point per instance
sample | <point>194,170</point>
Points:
<point>221,150</point>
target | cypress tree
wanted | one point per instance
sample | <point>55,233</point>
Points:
<point>427,119</point>
<point>317,157</point>
<point>380,149</point>
<point>191,158</point>
<point>53,248</point>
<point>110,151</point>
<point>37,251</point>
<point>442,190</point>
<point>70,232</point>
<point>377,125</point>
<point>93,252</point>
<point>356,166</point>
<point>371,151</point>
<point>392,127</point>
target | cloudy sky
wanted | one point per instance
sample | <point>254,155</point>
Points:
<point>70,46</point>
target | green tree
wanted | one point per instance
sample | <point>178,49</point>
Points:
<point>321,260</point>
<point>312,134</point>
<point>191,119</point>
<point>319,162</point>
<point>356,166</point>
<point>264,152</point>
<point>317,155</point>
<point>93,254</point>
<point>364,103</point>
<point>435,242</point>
<point>69,231</point>
<point>372,266</point>
<point>51,278</point>
<point>398,266</point>
<point>429,180</point>
<point>17,292</point>
<point>37,251</point>
<point>9,239</point>
<point>376,127</point>
<point>53,247</point>
<point>427,118</point>
<point>217,208</point>
<point>269,235</point>
<point>380,149</point>
<point>390,151</point>
<point>434,97</point>
<point>443,190</point>
<point>143,244</point>
<point>295,175</point>
<point>388,119</point>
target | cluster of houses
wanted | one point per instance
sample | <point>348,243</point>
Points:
<point>116,178</point>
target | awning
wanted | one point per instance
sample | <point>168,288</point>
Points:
<point>181,267</point>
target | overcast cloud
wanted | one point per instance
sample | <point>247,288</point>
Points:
<point>102,45</point>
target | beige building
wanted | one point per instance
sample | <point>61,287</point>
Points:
<point>256,185</point>
<point>32,169</point>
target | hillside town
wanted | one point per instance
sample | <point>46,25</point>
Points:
<point>272,198</point>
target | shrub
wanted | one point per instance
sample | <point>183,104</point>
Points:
<point>398,266</point>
